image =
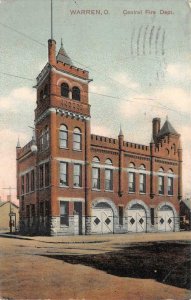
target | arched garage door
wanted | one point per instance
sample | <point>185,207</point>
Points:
<point>136,217</point>
<point>102,219</point>
<point>165,219</point>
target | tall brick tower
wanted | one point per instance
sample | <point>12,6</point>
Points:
<point>62,125</point>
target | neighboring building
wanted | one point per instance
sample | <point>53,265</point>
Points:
<point>5,209</point>
<point>70,181</point>
<point>185,214</point>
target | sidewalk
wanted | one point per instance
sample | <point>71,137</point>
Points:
<point>111,238</point>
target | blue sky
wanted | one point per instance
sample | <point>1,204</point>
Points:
<point>142,60</point>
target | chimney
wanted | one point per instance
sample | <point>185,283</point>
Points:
<point>156,127</point>
<point>52,52</point>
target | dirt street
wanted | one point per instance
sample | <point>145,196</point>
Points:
<point>29,269</point>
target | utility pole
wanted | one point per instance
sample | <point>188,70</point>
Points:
<point>10,208</point>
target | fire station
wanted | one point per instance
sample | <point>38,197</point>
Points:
<point>72,182</point>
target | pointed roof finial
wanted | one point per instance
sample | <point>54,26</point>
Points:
<point>166,117</point>
<point>63,57</point>
<point>120,131</point>
<point>18,143</point>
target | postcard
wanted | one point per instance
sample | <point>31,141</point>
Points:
<point>95,191</point>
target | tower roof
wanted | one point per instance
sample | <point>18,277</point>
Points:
<point>63,57</point>
<point>18,144</point>
<point>120,131</point>
<point>166,129</point>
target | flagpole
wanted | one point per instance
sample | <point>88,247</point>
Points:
<point>51,20</point>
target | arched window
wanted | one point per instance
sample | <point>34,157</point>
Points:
<point>95,159</point>
<point>76,93</point>
<point>142,167</point>
<point>77,139</point>
<point>65,90</point>
<point>131,178</point>
<point>132,165</point>
<point>63,136</point>
<point>161,181</point>
<point>108,161</point>
<point>95,174</point>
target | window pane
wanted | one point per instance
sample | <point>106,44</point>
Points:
<point>131,182</point>
<point>170,186</point>
<point>64,213</point>
<point>95,178</point>
<point>161,185</point>
<point>77,137</point>
<point>76,93</point>
<point>65,90</point>
<point>108,180</point>
<point>95,172</point>
<point>63,143</point>
<point>142,183</point>
<point>63,174</point>
<point>77,178</point>
<point>63,138</point>
<point>63,135</point>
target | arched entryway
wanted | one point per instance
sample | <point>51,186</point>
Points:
<point>166,218</point>
<point>102,220</point>
<point>136,213</point>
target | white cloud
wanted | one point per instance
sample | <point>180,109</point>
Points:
<point>98,88</point>
<point>164,101</point>
<point>18,99</point>
<point>125,80</point>
<point>179,71</point>
<point>100,130</point>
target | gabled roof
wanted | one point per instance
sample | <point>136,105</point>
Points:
<point>8,202</point>
<point>63,57</point>
<point>167,129</point>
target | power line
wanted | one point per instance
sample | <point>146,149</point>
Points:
<point>89,67</point>
<point>16,76</point>
<point>23,34</point>
<point>160,105</point>
<point>42,44</point>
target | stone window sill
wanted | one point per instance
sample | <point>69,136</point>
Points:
<point>65,148</point>
<point>64,186</point>
<point>77,187</point>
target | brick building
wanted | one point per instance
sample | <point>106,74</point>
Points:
<point>70,181</point>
